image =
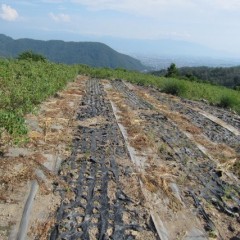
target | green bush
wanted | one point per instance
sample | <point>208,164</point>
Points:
<point>29,55</point>
<point>12,122</point>
<point>174,88</point>
<point>227,101</point>
<point>25,84</point>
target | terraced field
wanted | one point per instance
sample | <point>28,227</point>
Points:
<point>147,165</point>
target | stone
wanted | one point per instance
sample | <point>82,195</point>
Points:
<point>17,152</point>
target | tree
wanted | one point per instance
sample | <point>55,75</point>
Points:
<point>172,71</point>
<point>29,55</point>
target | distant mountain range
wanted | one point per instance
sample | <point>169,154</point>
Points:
<point>91,53</point>
<point>162,47</point>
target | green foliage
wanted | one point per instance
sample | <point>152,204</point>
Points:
<point>31,56</point>
<point>174,87</point>
<point>23,85</point>
<point>227,101</point>
<point>228,77</point>
<point>172,71</point>
<point>237,88</point>
<point>12,122</point>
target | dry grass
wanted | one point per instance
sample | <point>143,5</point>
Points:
<point>155,178</point>
<point>73,92</point>
<point>225,155</point>
<point>183,122</point>
<point>236,167</point>
<point>15,171</point>
<point>18,171</point>
<point>97,121</point>
<point>158,178</point>
<point>41,229</point>
<point>130,120</point>
<point>140,141</point>
<point>220,152</point>
<point>193,129</point>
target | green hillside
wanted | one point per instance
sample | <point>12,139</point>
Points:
<point>225,76</point>
<point>91,53</point>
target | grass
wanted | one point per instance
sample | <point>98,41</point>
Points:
<point>24,84</point>
<point>227,101</point>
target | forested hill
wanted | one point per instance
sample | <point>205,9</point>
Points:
<point>91,53</point>
<point>229,77</point>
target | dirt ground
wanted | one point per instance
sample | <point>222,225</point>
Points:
<point>117,161</point>
<point>50,136</point>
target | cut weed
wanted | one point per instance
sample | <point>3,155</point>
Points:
<point>160,178</point>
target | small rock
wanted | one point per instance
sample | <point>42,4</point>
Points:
<point>204,101</point>
<point>33,125</point>
<point>231,228</point>
<point>66,201</point>
<point>56,127</point>
<point>17,152</point>
<point>135,233</point>
<point>79,220</point>
<point>128,171</point>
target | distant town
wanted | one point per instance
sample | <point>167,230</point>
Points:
<point>163,62</point>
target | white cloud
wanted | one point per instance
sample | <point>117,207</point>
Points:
<point>132,4</point>
<point>8,13</point>
<point>60,17</point>
<point>148,7</point>
<point>138,6</point>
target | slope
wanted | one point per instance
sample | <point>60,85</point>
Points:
<point>91,53</point>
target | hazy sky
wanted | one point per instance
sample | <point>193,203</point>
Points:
<point>213,23</point>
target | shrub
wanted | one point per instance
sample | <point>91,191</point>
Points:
<point>12,122</point>
<point>174,88</point>
<point>25,84</point>
<point>29,55</point>
<point>227,101</point>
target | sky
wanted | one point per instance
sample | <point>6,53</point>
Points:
<point>212,23</point>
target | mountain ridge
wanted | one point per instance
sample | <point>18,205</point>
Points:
<point>95,54</point>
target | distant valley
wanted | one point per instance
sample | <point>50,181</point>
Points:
<point>164,61</point>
